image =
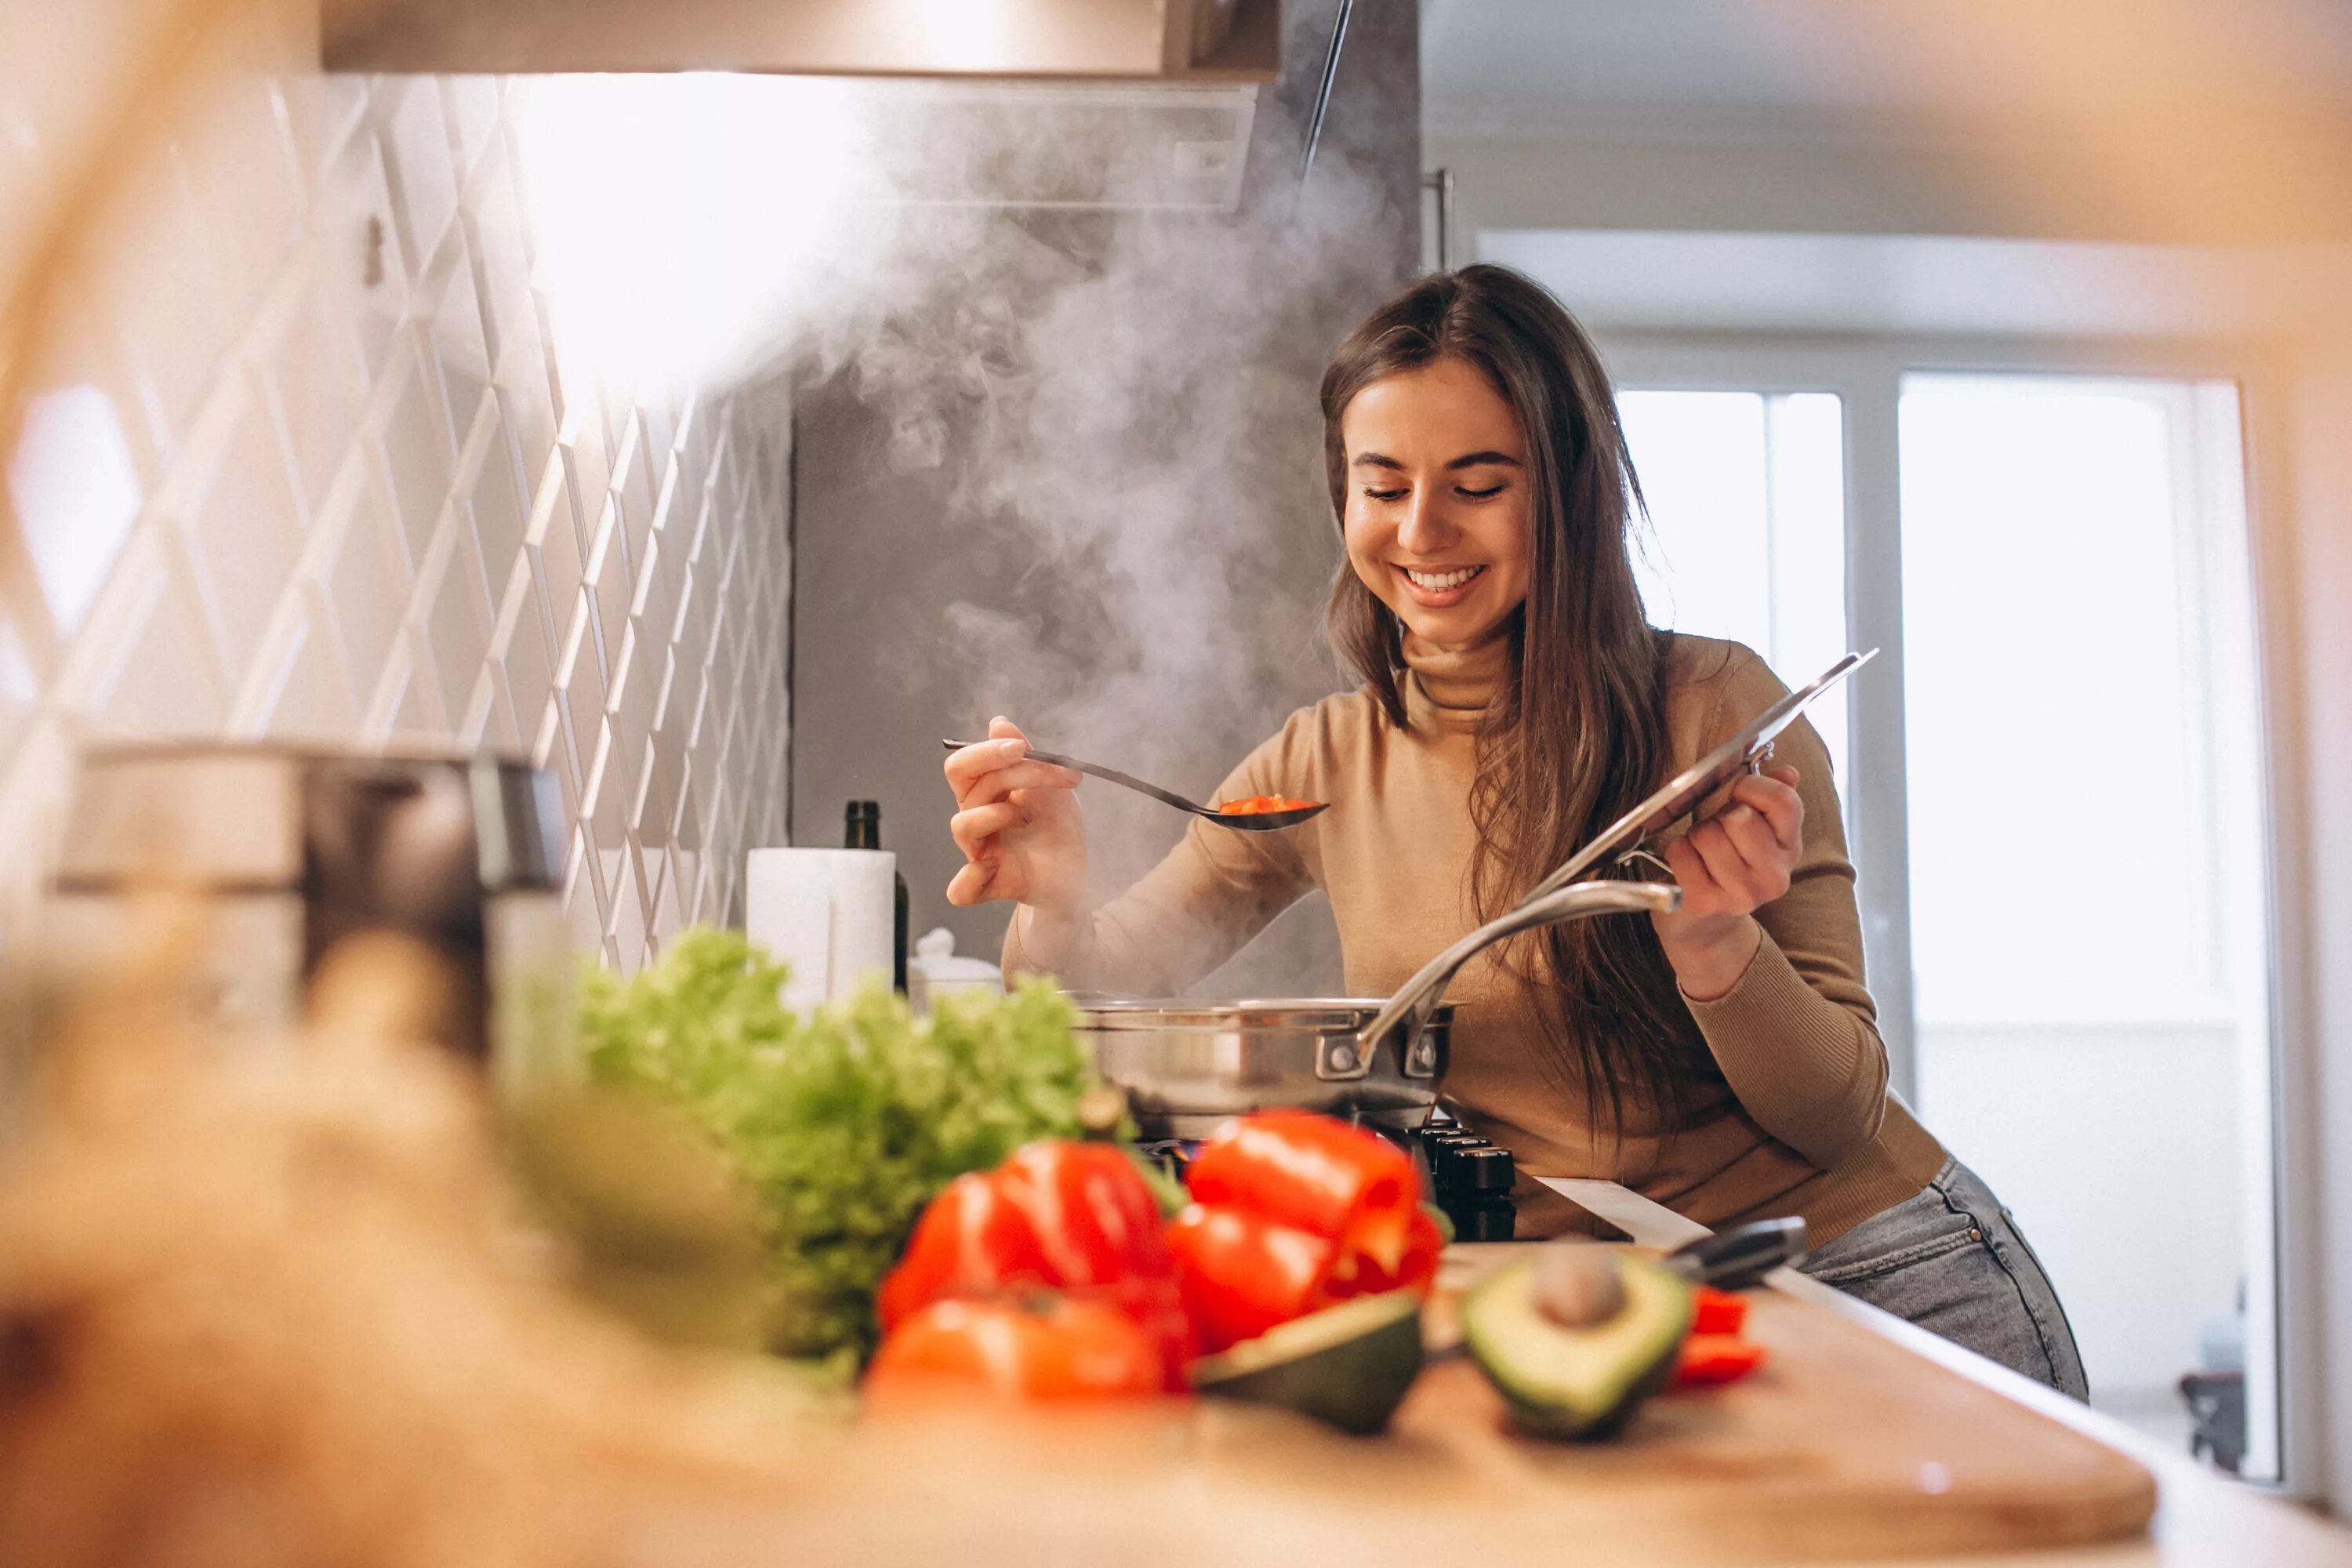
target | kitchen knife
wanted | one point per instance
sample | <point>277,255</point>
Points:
<point>1736,1259</point>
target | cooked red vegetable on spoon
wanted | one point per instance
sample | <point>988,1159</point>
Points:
<point>1258,804</point>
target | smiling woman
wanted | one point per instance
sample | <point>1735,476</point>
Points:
<point>1723,1059</point>
<point>1436,521</point>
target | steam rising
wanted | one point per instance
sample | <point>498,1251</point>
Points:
<point>1112,407</point>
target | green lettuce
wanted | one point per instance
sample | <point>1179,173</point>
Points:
<point>842,1123</point>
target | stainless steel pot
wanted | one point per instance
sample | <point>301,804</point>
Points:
<point>1187,1066</point>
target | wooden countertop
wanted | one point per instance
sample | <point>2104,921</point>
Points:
<point>1833,1462</point>
<point>2202,1521</point>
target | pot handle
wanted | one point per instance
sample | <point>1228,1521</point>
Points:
<point>1414,1005</point>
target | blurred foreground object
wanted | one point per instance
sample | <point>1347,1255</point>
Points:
<point>277,1307</point>
<point>296,850</point>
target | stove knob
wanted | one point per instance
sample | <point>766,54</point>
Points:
<point>1443,1154</point>
<point>1484,1169</point>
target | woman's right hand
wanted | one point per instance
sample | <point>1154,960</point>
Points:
<point>1018,825</point>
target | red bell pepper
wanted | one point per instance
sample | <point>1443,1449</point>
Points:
<point>1714,1311</point>
<point>1241,1274</point>
<point>1044,1347</point>
<point>1716,1358</point>
<point>1316,1174</point>
<point>1423,1242</point>
<point>971,1239</point>
<point>1076,1216</point>
<point>1293,1212</point>
<point>1100,1225</point>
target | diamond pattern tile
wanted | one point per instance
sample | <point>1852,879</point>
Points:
<point>552,546</point>
<point>418,160</point>
<point>372,499</point>
<point>315,384</point>
<point>168,683</point>
<point>367,585</point>
<point>454,619</point>
<point>245,536</point>
<point>497,509</point>
<point>307,696</point>
<point>414,452</point>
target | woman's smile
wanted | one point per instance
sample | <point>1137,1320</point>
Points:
<point>1439,587</point>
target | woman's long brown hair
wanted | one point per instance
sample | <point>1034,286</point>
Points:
<point>1579,733</point>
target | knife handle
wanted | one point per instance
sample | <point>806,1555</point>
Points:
<point>1736,1260</point>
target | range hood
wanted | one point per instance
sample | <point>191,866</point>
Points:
<point>1085,146</point>
<point>1189,41</point>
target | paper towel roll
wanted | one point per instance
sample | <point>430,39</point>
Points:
<point>828,913</point>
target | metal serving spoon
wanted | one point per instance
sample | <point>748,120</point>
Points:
<point>1239,821</point>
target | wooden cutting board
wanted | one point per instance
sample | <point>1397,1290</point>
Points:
<point>1843,1443</point>
<point>1843,1446</point>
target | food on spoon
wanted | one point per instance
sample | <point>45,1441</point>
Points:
<point>1258,804</point>
<point>1585,1380</point>
<point>1042,1346</point>
<point>1348,1366</point>
<point>1076,1217</point>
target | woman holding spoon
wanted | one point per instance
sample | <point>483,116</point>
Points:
<point>1723,1059</point>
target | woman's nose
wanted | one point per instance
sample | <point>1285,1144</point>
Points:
<point>1424,529</point>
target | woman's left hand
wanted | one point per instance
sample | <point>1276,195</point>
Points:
<point>1729,867</point>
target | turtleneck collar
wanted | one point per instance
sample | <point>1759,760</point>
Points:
<point>1456,688</point>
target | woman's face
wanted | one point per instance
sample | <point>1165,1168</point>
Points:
<point>1436,519</point>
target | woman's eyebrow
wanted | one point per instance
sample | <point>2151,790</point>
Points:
<point>1468,460</point>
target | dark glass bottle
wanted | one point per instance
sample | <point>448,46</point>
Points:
<point>865,832</point>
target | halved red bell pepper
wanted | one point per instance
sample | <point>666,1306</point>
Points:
<point>1316,1174</point>
<point>1423,1242</point>
<point>1100,1225</point>
<point>1042,1347</point>
<point>1241,1273</point>
<point>970,1240</point>
<point>1076,1216</point>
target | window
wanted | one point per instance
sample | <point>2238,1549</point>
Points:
<point>2076,981</point>
<point>1746,499</point>
<point>2088,935</point>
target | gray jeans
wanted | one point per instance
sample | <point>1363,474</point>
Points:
<point>1953,1261</point>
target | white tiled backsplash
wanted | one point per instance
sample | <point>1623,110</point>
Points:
<point>308,462</point>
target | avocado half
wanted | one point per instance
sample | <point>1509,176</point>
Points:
<point>1348,1366</point>
<point>1576,1382</point>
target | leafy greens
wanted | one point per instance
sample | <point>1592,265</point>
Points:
<point>842,1123</point>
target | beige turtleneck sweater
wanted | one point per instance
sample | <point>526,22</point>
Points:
<point>1789,1111</point>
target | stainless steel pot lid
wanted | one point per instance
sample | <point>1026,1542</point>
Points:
<point>1343,1013</point>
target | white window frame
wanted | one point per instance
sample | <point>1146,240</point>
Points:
<point>1866,371</point>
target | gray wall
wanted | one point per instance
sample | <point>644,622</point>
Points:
<point>1077,481</point>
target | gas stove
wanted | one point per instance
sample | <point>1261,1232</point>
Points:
<point>1469,1177</point>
